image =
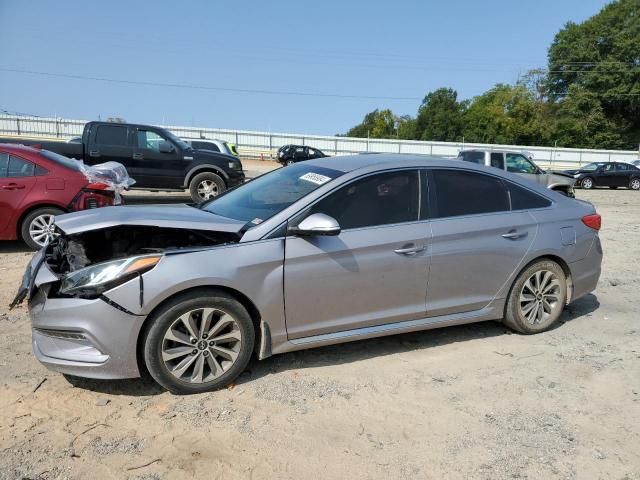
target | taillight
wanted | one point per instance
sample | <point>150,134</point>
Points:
<point>96,186</point>
<point>593,221</point>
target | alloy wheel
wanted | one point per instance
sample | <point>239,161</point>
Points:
<point>540,297</point>
<point>635,184</point>
<point>201,345</point>
<point>208,189</point>
<point>42,230</point>
<point>587,183</point>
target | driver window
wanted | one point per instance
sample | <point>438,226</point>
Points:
<point>517,163</point>
<point>380,199</point>
<point>149,140</point>
<point>609,167</point>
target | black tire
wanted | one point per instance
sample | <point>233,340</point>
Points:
<point>589,185</point>
<point>634,184</point>
<point>514,317</point>
<point>26,226</point>
<point>206,177</point>
<point>290,162</point>
<point>162,320</point>
<point>613,187</point>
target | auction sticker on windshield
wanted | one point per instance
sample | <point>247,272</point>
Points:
<point>315,178</point>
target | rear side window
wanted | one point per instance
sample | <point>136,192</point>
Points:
<point>523,199</point>
<point>111,135</point>
<point>467,193</point>
<point>19,168</point>
<point>473,157</point>
<point>497,160</point>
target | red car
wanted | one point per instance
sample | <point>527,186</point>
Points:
<point>36,185</point>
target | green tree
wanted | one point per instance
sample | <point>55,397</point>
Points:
<point>601,57</point>
<point>440,117</point>
<point>376,124</point>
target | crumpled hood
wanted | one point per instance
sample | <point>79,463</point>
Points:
<point>546,179</point>
<point>168,216</point>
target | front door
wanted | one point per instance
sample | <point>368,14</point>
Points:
<point>156,168</point>
<point>374,272</point>
<point>478,242</point>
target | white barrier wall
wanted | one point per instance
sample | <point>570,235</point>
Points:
<point>264,144</point>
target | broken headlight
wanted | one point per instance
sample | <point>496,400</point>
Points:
<point>104,276</point>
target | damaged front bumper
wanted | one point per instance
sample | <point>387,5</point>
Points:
<point>85,337</point>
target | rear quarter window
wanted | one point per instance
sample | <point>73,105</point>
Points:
<point>473,157</point>
<point>523,199</point>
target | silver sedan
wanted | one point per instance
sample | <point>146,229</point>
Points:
<point>322,252</point>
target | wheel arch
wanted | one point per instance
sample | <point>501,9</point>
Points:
<point>206,168</point>
<point>261,330</point>
<point>554,258</point>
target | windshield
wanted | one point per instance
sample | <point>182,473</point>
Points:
<point>590,167</point>
<point>177,140</point>
<point>260,199</point>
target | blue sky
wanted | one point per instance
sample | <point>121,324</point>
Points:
<point>369,48</point>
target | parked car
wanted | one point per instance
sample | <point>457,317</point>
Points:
<point>212,145</point>
<point>290,154</point>
<point>636,163</point>
<point>189,292</point>
<point>521,164</point>
<point>35,186</point>
<point>154,156</point>
<point>607,174</point>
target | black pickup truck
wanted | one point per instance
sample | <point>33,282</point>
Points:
<point>154,157</point>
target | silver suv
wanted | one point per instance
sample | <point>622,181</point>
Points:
<point>321,252</point>
<point>521,164</point>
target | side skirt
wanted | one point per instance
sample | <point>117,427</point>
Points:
<point>488,313</point>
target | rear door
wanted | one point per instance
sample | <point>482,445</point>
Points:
<point>16,182</point>
<point>157,169</point>
<point>109,143</point>
<point>478,242</point>
<point>374,272</point>
<point>623,174</point>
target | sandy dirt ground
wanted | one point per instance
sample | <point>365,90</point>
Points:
<point>471,402</point>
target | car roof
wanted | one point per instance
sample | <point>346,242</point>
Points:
<point>18,148</point>
<point>349,163</point>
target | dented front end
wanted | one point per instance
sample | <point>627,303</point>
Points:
<point>77,329</point>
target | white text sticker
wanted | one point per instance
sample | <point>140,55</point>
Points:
<point>315,178</point>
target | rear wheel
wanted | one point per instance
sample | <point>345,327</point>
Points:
<point>634,184</point>
<point>205,186</point>
<point>199,342</point>
<point>37,228</point>
<point>537,298</point>
<point>587,183</point>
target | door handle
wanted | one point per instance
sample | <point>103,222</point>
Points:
<point>13,186</point>
<point>410,250</point>
<point>514,235</point>
<point>94,153</point>
<point>137,156</point>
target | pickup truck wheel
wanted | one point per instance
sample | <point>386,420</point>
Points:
<point>205,186</point>
<point>200,341</point>
<point>37,227</point>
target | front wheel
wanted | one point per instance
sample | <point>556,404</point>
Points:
<point>634,184</point>
<point>37,228</point>
<point>537,298</point>
<point>587,183</point>
<point>200,341</point>
<point>205,186</point>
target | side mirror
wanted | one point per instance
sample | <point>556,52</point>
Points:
<point>317,224</point>
<point>165,147</point>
